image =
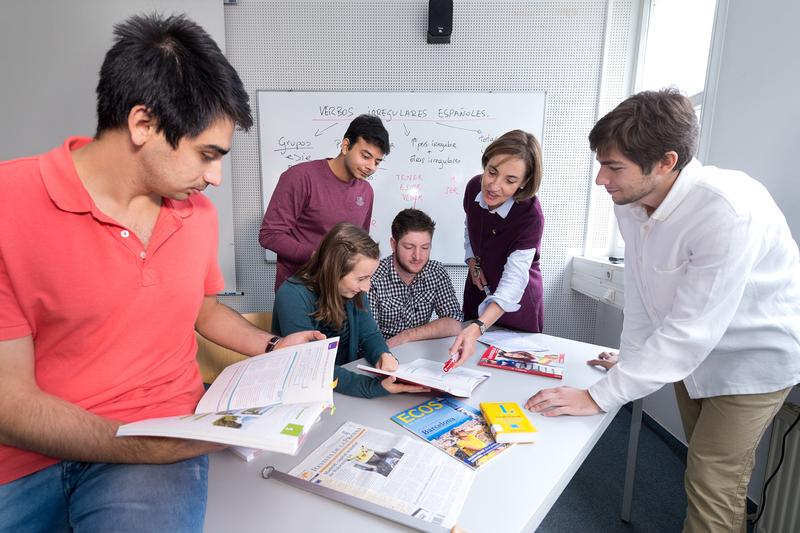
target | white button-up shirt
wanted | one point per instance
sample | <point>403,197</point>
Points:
<point>712,292</point>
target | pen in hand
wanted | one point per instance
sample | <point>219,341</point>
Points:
<point>486,290</point>
<point>448,365</point>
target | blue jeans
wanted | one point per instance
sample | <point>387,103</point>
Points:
<point>89,497</point>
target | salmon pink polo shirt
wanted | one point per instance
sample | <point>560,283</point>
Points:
<point>112,322</point>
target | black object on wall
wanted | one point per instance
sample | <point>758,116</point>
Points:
<point>440,21</point>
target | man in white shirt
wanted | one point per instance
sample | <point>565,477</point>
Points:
<point>712,300</point>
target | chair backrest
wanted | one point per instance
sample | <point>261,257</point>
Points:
<point>213,358</point>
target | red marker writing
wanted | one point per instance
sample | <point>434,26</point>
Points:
<point>448,365</point>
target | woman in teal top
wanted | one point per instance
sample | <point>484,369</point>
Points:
<point>329,294</point>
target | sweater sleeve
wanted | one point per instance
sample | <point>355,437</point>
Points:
<point>285,206</point>
<point>372,344</point>
<point>359,385</point>
<point>292,311</point>
<point>293,307</point>
<point>370,341</point>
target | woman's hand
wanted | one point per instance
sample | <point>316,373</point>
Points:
<point>464,345</point>
<point>476,274</point>
<point>605,359</point>
<point>387,362</point>
<point>390,384</point>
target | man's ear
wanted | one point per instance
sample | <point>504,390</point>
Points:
<point>667,163</point>
<point>345,146</point>
<point>393,244</point>
<point>142,125</point>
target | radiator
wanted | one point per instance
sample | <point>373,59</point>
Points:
<point>782,510</point>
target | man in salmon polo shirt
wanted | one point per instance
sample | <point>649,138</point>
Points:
<point>107,266</point>
<point>314,196</point>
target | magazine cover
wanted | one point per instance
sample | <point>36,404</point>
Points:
<point>455,428</point>
<point>546,364</point>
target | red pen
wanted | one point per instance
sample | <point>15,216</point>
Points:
<point>448,365</point>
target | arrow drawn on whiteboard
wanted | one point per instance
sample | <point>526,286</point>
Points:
<point>406,129</point>
<point>320,132</point>
<point>457,128</point>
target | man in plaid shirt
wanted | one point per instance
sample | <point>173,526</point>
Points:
<point>407,287</point>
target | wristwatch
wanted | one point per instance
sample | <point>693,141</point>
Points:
<point>272,343</point>
<point>480,324</point>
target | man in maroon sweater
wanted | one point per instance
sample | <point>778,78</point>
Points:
<point>312,197</point>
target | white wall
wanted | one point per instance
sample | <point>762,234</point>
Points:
<point>50,60</point>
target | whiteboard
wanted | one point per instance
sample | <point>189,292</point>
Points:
<point>437,140</point>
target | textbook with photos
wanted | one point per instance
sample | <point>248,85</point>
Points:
<point>267,402</point>
<point>546,364</point>
<point>454,427</point>
<point>458,382</point>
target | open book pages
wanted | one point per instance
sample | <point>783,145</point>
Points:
<point>390,470</point>
<point>513,340</point>
<point>454,427</point>
<point>458,382</point>
<point>267,402</point>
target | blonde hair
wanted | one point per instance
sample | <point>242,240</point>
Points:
<point>333,260</point>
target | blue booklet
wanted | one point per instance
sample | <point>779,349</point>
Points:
<point>455,428</point>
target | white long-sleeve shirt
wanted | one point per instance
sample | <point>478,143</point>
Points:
<point>712,292</point>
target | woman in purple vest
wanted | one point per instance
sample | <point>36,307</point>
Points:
<point>503,235</point>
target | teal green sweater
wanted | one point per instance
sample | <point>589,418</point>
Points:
<point>294,305</point>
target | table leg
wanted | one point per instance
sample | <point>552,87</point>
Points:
<point>630,467</point>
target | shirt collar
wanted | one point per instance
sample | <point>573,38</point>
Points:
<point>66,189</point>
<point>61,179</point>
<point>684,183</point>
<point>502,210</point>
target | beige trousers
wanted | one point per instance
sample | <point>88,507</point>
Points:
<point>722,432</point>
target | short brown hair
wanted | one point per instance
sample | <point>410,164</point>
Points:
<point>411,220</point>
<point>333,260</point>
<point>521,144</point>
<point>648,125</point>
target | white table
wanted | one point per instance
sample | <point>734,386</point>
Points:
<point>512,493</point>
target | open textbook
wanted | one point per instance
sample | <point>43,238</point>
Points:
<point>458,382</point>
<point>267,402</point>
<point>393,471</point>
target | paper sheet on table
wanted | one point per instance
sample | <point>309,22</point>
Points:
<point>458,382</point>
<point>391,470</point>
<point>512,341</point>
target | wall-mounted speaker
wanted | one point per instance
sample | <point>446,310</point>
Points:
<point>440,21</point>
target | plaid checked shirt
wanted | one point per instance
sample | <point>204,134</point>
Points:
<point>397,306</point>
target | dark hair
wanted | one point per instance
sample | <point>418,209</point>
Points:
<point>411,220</point>
<point>175,69</point>
<point>648,125</point>
<point>333,260</point>
<point>523,145</point>
<point>370,129</point>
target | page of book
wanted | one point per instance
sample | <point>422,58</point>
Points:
<point>390,470</point>
<point>512,340</point>
<point>458,382</point>
<point>300,373</point>
<point>278,428</point>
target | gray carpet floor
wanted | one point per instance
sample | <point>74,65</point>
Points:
<point>592,502</point>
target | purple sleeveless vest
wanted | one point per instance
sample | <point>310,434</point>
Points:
<point>493,239</point>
